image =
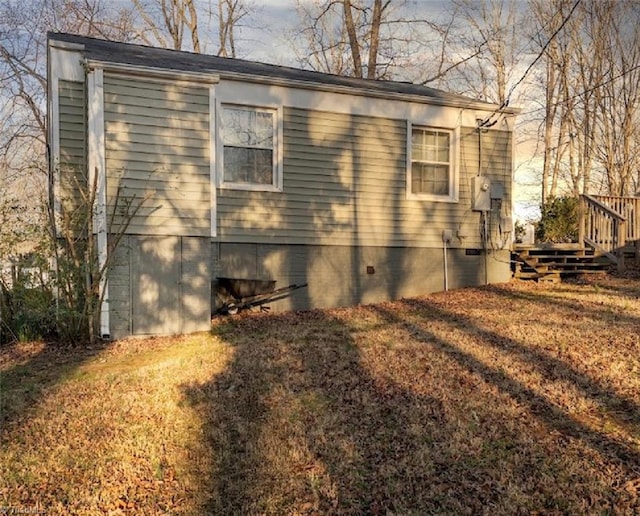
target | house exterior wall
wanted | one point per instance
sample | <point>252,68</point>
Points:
<point>160,285</point>
<point>120,290</point>
<point>343,206</point>
<point>72,109</point>
<point>157,149</point>
<point>345,184</point>
<point>337,275</point>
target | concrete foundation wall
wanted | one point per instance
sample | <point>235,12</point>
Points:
<point>338,276</point>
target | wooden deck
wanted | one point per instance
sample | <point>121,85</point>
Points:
<point>609,234</point>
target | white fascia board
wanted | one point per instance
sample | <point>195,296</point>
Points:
<point>370,93</point>
<point>216,77</point>
<point>152,72</point>
<point>402,108</point>
<point>66,45</point>
<point>98,177</point>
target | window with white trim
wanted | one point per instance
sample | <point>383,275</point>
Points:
<point>249,138</point>
<point>431,173</point>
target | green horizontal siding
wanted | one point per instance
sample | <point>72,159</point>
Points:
<point>157,152</point>
<point>344,183</point>
<point>73,143</point>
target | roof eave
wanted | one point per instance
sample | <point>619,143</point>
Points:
<point>214,77</point>
<point>368,92</point>
<point>153,71</point>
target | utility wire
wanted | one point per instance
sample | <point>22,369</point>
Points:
<point>487,122</point>
<point>583,92</point>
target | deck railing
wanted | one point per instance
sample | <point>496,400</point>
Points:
<point>603,228</point>
<point>629,208</point>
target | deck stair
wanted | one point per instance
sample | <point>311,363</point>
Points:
<point>551,262</point>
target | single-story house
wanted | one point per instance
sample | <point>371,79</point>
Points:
<point>364,190</point>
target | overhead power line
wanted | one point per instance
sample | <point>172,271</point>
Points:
<point>585,91</point>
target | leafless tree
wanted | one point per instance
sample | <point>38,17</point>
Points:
<point>617,96</point>
<point>23,156</point>
<point>176,24</point>
<point>230,15</point>
<point>360,38</point>
<point>380,39</point>
<point>164,23</point>
<point>558,48</point>
<point>489,32</point>
<point>591,96</point>
<point>23,162</point>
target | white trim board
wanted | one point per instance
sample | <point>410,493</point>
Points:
<point>423,113</point>
<point>213,159</point>
<point>152,72</point>
<point>97,175</point>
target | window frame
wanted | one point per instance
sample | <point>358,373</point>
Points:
<point>277,150</point>
<point>454,174</point>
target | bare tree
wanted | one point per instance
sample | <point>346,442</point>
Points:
<point>380,39</point>
<point>359,38</point>
<point>592,93</point>
<point>23,156</point>
<point>23,163</point>
<point>322,43</point>
<point>490,33</point>
<point>167,23</point>
<point>230,14</point>
<point>617,97</point>
<point>557,50</point>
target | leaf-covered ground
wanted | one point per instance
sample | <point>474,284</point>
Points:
<point>509,399</point>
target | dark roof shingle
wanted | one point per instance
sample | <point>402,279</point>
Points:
<point>140,55</point>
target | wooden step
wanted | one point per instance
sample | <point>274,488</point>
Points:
<point>549,262</point>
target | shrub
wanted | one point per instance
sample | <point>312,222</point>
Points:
<point>559,220</point>
<point>27,307</point>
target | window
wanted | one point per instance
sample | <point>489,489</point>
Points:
<point>431,170</point>
<point>249,142</point>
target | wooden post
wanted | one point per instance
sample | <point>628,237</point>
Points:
<point>635,229</point>
<point>621,240</point>
<point>581,220</point>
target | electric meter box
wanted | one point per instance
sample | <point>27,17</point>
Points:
<point>497,191</point>
<point>481,194</point>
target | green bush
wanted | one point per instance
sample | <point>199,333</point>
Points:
<point>519,232</point>
<point>558,221</point>
<point>27,314</point>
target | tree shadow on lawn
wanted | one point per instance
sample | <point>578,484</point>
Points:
<point>28,371</point>
<point>585,308</point>
<point>623,409</point>
<point>626,411</point>
<point>306,419</point>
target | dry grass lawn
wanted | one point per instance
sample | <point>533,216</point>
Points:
<point>509,399</point>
